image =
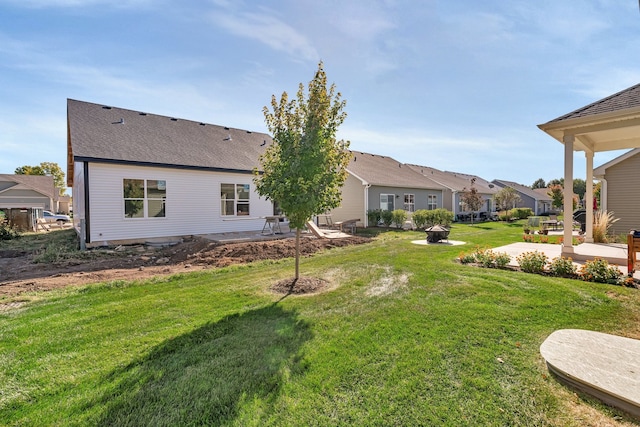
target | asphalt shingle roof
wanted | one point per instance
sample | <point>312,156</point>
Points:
<point>536,195</point>
<point>628,98</point>
<point>103,133</point>
<point>388,172</point>
<point>42,184</point>
<point>455,181</point>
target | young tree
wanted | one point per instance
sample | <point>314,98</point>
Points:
<point>471,199</point>
<point>305,167</point>
<point>506,198</point>
<point>556,192</point>
<point>579,187</point>
<point>45,168</point>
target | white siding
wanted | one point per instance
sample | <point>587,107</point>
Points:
<point>192,204</point>
<point>623,197</point>
<point>352,205</point>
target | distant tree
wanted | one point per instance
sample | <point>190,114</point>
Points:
<point>305,167</point>
<point>597,191</point>
<point>539,183</point>
<point>506,198</point>
<point>579,187</point>
<point>471,199</point>
<point>45,169</point>
<point>556,181</point>
<point>556,192</point>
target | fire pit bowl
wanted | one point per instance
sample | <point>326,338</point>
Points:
<point>436,233</point>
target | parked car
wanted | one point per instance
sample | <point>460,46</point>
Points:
<point>59,218</point>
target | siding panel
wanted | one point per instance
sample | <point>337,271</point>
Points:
<point>623,197</point>
<point>192,204</point>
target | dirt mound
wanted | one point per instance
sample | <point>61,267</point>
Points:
<point>19,273</point>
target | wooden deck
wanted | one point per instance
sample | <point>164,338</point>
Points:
<point>602,365</point>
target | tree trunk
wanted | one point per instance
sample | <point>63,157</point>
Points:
<point>297,276</point>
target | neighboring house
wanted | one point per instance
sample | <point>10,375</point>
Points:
<point>619,192</point>
<point>538,201</point>
<point>63,204</point>
<point>380,182</point>
<point>455,185</point>
<point>139,176</point>
<point>27,191</point>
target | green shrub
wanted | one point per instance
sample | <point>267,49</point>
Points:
<point>521,213</point>
<point>502,259</point>
<point>467,258</point>
<point>399,216</point>
<point>386,217</point>
<point>562,267</point>
<point>600,271</point>
<point>423,218</point>
<point>532,262</point>
<point>7,233</point>
<point>374,216</point>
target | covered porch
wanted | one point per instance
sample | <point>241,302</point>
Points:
<point>612,123</point>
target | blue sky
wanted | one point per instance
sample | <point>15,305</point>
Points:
<point>457,85</point>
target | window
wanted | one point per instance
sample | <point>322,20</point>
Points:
<point>410,202</point>
<point>386,202</point>
<point>234,199</point>
<point>432,202</point>
<point>144,198</point>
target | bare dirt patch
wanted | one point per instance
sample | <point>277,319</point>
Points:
<point>19,273</point>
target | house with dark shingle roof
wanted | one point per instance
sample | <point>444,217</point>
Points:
<point>538,201</point>
<point>381,182</point>
<point>455,184</point>
<point>27,191</point>
<point>138,176</point>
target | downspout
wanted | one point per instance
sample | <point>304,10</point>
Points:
<point>603,194</point>
<point>366,204</point>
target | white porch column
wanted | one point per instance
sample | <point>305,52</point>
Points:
<point>567,247</point>
<point>588,197</point>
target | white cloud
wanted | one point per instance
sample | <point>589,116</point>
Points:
<point>265,28</point>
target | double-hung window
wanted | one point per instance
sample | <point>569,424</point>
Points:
<point>144,198</point>
<point>386,202</point>
<point>432,202</point>
<point>410,202</point>
<point>234,199</point>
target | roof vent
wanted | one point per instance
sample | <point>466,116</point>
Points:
<point>202,124</point>
<point>143,114</point>
<point>119,122</point>
<point>173,119</point>
<point>228,138</point>
<point>226,128</point>
<point>264,142</point>
<point>248,131</point>
<point>106,108</point>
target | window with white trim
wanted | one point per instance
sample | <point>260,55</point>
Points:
<point>432,202</point>
<point>387,202</point>
<point>234,199</point>
<point>410,202</point>
<point>144,198</point>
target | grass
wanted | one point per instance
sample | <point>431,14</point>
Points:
<point>405,336</point>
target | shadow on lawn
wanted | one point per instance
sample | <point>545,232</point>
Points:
<point>203,378</point>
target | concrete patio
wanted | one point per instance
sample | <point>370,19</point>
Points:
<point>614,253</point>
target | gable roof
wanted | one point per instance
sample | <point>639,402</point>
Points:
<point>385,171</point>
<point>523,189</point>
<point>627,98</point>
<point>482,185</point>
<point>101,133</point>
<point>600,171</point>
<point>42,184</point>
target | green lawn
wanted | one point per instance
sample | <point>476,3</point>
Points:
<point>405,336</point>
